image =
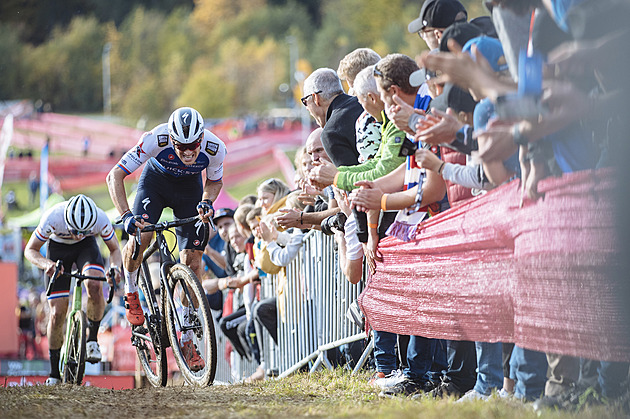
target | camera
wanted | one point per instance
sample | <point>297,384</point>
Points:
<point>407,148</point>
<point>336,221</point>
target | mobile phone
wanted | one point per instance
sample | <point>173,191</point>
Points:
<point>514,106</point>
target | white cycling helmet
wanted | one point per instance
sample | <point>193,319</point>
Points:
<point>185,126</point>
<point>81,213</point>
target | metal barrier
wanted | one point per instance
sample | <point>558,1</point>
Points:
<point>311,308</point>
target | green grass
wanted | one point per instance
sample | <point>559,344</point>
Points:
<point>324,394</point>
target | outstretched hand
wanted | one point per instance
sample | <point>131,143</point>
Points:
<point>367,197</point>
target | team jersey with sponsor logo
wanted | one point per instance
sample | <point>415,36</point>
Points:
<point>53,226</point>
<point>156,144</point>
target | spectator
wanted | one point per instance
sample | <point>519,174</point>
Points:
<point>335,112</point>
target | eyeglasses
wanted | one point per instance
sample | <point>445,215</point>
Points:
<point>190,146</point>
<point>379,73</point>
<point>79,232</point>
<point>305,98</point>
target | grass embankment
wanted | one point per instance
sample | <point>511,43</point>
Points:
<point>323,394</point>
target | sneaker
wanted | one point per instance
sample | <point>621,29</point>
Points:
<point>52,381</point>
<point>377,376</point>
<point>258,375</point>
<point>446,389</point>
<point>472,395</point>
<point>135,316</point>
<point>93,353</point>
<point>573,399</point>
<point>504,394</point>
<point>193,358</point>
<point>405,388</point>
<point>389,380</point>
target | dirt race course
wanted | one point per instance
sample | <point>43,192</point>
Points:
<point>92,402</point>
<point>319,395</point>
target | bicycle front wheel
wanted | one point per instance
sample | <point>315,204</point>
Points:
<point>190,327</point>
<point>73,365</point>
<point>147,338</point>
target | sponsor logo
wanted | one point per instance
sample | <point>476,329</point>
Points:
<point>434,149</point>
<point>145,203</point>
<point>171,156</point>
<point>185,117</point>
<point>397,140</point>
<point>162,140</point>
<point>196,243</point>
<point>212,148</point>
<point>145,216</point>
<point>139,151</point>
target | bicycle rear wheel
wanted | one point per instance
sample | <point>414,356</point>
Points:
<point>147,338</point>
<point>189,320</point>
<point>73,365</point>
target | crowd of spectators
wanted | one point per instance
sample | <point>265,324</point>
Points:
<point>534,90</point>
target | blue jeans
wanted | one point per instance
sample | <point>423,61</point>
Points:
<point>420,356</point>
<point>611,375</point>
<point>489,367</point>
<point>385,351</point>
<point>529,369</point>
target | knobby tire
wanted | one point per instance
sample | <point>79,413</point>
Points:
<point>150,349</point>
<point>73,366</point>
<point>183,283</point>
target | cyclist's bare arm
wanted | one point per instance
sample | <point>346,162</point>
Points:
<point>116,185</point>
<point>211,191</point>
<point>31,253</point>
<point>115,256</point>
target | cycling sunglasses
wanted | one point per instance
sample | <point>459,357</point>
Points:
<point>79,232</point>
<point>190,146</point>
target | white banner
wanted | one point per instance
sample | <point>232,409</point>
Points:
<point>6,135</point>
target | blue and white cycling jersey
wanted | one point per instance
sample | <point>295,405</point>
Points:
<point>156,144</point>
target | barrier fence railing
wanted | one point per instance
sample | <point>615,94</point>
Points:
<point>313,297</point>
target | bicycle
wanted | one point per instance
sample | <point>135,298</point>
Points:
<point>180,290</point>
<point>72,360</point>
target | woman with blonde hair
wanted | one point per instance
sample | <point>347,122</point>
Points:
<point>271,195</point>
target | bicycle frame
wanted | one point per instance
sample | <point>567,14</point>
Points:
<point>166,256</point>
<point>77,300</point>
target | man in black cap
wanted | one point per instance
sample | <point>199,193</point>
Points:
<point>435,16</point>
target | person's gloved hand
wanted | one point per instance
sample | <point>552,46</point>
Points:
<point>129,223</point>
<point>205,208</point>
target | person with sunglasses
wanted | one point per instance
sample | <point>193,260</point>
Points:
<point>176,153</point>
<point>69,228</point>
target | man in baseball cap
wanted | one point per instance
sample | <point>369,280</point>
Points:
<point>435,16</point>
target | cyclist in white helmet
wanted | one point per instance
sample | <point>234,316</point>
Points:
<point>70,228</point>
<point>176,153</point>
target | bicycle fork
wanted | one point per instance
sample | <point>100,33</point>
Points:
<point>76,306</point>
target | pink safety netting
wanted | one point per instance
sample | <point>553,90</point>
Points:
<point>491,271</point>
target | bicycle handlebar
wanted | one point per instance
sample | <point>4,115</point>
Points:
<point>111,273</point>
<point>164,225</point>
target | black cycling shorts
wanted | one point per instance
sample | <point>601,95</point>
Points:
<point>85,252</point>
<point>157,190</point>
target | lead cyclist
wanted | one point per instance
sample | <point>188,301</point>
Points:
<point>176,153</point>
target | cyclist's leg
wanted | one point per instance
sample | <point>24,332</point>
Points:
<point>189,236</point>
<point>148,204</point>
<point>91,261</point>
<point>58,303</point>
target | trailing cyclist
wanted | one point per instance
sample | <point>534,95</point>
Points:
<point>70,228</point>
<point>176,154</point>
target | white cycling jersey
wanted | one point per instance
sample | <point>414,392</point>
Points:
<point>156,144</point>
<point>53,226</point>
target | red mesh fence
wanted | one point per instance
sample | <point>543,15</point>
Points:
<point>489,270</point>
